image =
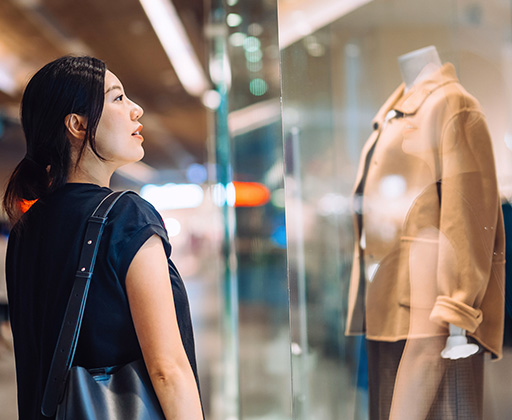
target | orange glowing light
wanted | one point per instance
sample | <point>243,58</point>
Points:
<point>26,204</point>
<point>250,194</point>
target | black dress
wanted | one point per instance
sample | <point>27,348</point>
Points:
<point>42,257</point>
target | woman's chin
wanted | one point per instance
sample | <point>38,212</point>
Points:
<point>137,156</point>
<point>132,159</point>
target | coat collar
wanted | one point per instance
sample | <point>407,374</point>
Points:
<point>410,102</point>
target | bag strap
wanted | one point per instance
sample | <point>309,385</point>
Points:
<point>70,329</point>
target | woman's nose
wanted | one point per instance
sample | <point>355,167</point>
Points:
<point>137,111</point>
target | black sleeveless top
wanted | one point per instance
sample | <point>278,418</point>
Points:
<point>42,258</point>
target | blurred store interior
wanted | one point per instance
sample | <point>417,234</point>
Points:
<point>243,98</point>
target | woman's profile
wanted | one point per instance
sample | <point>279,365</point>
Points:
<point>80,127</point>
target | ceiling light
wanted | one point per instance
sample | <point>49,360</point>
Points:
<point>233,20</point>
<point>254,67</point>
<point>253,57</point>
<point>211,99</point>
<point>197,173</point>
<point>173,226</point>
<point>7,82</point>
<point>255,29</point>
<point>173,196</point>
<point>300,18</point>
<point>251,44</point>
<point>240,194</point>
<point>258,87</point>
<point>174,39</point>
<point>237,39</point>
<point>223,194</point>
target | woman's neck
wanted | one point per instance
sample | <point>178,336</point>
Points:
<point>83,178</point>
<point>91,170</point>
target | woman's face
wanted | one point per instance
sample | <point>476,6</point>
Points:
<point>118,136</point>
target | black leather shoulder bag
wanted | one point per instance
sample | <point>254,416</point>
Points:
<point>118,392</point>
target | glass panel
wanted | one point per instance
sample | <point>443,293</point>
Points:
<point>245,66</point>
<point>227,399</point>
<point>408,199</point>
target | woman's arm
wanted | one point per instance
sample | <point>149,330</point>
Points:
<point>152,307</point>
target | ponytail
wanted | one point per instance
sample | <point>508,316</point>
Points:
<point>28,182</point>
<point>64,86</point>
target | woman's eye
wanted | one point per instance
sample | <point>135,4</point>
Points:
<point>119,98</point>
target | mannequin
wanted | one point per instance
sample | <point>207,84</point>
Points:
<point>428,260</point>
<point>415,67</point>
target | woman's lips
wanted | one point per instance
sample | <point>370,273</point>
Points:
<point>136,133</point>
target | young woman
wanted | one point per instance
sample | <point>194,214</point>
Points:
<point>80,127</point>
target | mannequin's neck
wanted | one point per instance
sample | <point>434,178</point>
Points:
<point>417,65</point>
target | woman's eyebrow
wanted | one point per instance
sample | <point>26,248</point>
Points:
<point>112,88</point>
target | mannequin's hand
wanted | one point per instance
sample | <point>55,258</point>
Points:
<point>457,346</point>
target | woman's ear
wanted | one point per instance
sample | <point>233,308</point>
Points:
<point>76,126</point>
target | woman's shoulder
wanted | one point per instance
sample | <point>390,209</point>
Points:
<point>132,214</point>
<point>131,203</point>
<point>131,222</point>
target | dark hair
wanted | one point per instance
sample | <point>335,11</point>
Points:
<point>64,86</point>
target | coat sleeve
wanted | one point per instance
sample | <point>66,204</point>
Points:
<point>469,209</point>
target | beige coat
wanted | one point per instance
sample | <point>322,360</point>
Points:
<point>427,253</point>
